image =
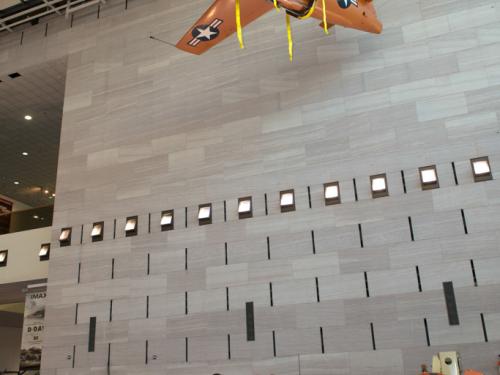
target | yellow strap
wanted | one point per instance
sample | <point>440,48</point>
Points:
<point>238,24</point>
<point>310,12</point>
<point>290,38</point>
<point>276,5</point>
<point>325,25</point>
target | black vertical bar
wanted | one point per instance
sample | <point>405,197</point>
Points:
<point>76,314</point>
<point>79,272</point>
<point>225,253</point>
<point>361,236</point>
<point>309,196</point>
<point>108,364</point>
<point>322,340</point>
<point>268,249</point>
<point>22,38</point>
<point>366,285</point>
<point>72,19</point>
<point>355,189</point>
<point>46,29</point>
<point>271,294</point>
<point>417,270</point>
<point>114,229</point>
<point>410,224</point>
<point>92,325</point>
<point>186,303</point>
<point>427,337</point>
<point>317,290</point>
<point>81,235</point>
<point>74,355</point>
<point>403,180</point>
<point>483,323</point>
<point>464,221</point>
<point>274,343</point>
<point>110,310</point>
<point>373,336</point>
<point>228,346</point>
<point>250,321</point>
<point>473,272</point>
<point>265,203</point>
<point>148,270</point>
<point>187,350</point>
<point>227,298</point>
<point>186,258</point>
<point>313,242</point>
<point>186,217</point>
<point>454,172</point>
<point>225,211</point>
<point>149,223</point>
<point>126,4</point>
<point>98,11</point>
<point>451,303</point>
<point>112,268</point>
<point>147,307</point>
<point>146,352</point>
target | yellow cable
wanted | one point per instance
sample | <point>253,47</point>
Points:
<point>238,24</point>
<point>310,12</point>
<point>325,25</point>
<point>290,37</point>
<point>276,5</point>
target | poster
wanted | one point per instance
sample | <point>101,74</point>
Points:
<point>5,211</point>
<point>31,347</point>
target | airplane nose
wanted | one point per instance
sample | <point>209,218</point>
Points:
<point>376,26</point>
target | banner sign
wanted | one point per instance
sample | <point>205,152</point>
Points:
<point>31,348</point>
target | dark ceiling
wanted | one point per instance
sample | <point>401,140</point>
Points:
<point>38,92</point>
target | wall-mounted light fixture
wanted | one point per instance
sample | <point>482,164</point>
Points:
<point>332,193</point>
<point>481,169</point>
<point>287,200</point>
<point>65,237</point>
<point>3,258</point>
<point>97,233</point>
<point>131,226</point>
<point>428,177</point>
<point>245,208</point>
<point>44,253</point>
<point>167,220</point>
<point>205,214</point>
<point>379,185</point>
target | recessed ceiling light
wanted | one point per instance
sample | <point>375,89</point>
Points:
<point>28,117</point>
<point>25,153</point>
<point>16,182</point>
<point>53,194</point>
<point>35,216</point>
<point>46,191</point>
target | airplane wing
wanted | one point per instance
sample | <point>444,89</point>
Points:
<point>219,22</point>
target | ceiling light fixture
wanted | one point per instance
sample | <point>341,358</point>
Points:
<point>429,177</point>
<point>167,220</point>
<point>3,258</point>
<point>16,182</point>
<point>131,226</point>
<point>44,252</point>
<point>245,208</point>
<point>332,193</point>
<point>97,233</point>
<point>379,186</point>
<point>287,200</point>
<point>25,153</point>
<point>481,169</point>
<point>28,117</point>
<point>65,237</point>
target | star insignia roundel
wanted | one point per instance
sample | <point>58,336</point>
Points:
<point>205,33</point>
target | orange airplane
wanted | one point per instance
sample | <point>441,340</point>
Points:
<point>226,17</point>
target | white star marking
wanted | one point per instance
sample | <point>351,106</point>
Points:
<point>205,33</point>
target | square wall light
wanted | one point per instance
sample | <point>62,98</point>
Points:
<point>205,214</point>
<point>167,220</point>
<point>481,169</point>
<point>97,233</point>
<point>65,237</point>
<point>428,177</point>
<point>245,208</point>
<point>44,253</point>
<point>3,258</point>
<point>332,193</point>
<point>378,185</point>
<point>131,226</point>
<point>287,200</point>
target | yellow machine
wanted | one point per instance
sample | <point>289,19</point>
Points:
<point>447,363</point>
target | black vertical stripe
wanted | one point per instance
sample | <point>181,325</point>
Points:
<point>483,323</point>
<point>403,180</point>
<point>79,271</point>
<point>225,211</point>
<point>92,326</point>
<point>114,229</point>
<point>110,310</point>
<point>228,346</point>
<point>81,235</point>
<point>149,223</point>
<point>250,321</point>
<point>108,364</point>
<point>112,268</point>
<point>73,357</point>
<point>419,281</point>
<point>187,350</point>
<point>373,336</point>
<point>355,189</point>
<point>98,11</point>
<point>313,242</point>
<point>227,298</point>
<point>309,196</point>
<point>268,248</point>
<point>76,313</point>
<point>22,38</point>
<point>147,307</point>
<point>454,172</point>
<point>148,270</point>
<point>186,303</point>
<point>317,290</point>
<point>126,4</point>
<point>271,294</point>
<point>225,253</point>
<point>451,303</point>
<point>72,19</point>
<point>186,258</point>
<point>473,268</point>
<point>464,221</point>
<point>322,340</point>
<point>185,217</point>
<point>46,29</point>
<point>265,203</point>
<point>360,229</point>
<point>410,225</point>
<point>427,337</point>
<point>274,343</point>
<point>146,352</point>
<point>366,285</point>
